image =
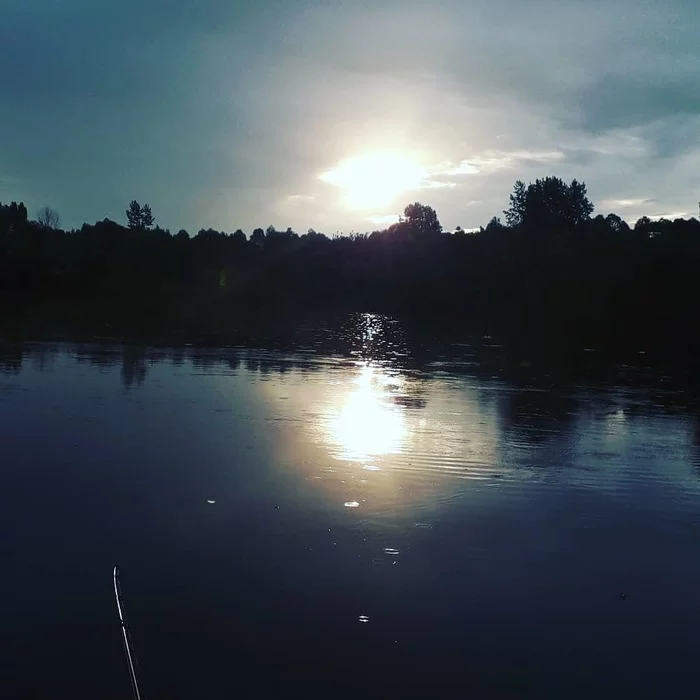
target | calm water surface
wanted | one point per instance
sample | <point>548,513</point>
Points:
<point>294,523</point>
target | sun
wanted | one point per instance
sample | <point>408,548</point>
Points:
<point>375,180</point>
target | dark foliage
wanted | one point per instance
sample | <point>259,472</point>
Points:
<point>48,217</point>
<point>548,203</point>
<point>422,219</point>
<point>552,272</point>
<point>139,217</point>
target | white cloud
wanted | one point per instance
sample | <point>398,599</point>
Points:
<point>672,215</point>
<point>491,160</point>
<point>498,160</point>
<point>463,168</point>
<point>436,185</point>
<point>633,203</point>
<point>383,219</point>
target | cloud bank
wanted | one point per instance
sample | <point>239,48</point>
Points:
<point>226,114</point>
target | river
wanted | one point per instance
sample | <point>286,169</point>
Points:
<point>334,524</point>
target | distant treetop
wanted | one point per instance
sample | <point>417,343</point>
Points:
<point>422,218</point>
<point>548,203</point>
<point>139,217</point>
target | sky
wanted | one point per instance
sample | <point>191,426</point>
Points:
<point>335,114</point>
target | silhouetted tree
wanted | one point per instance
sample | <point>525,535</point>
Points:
<point>422,219</point>
<point>604,285</point>
<point>147,218</point>
<point>133,214</point>
<point>494,225</point>
<point>48,217</point>
<point>313,235</point>
<point>13,216</point>
<point>548,203</point>
<point>20,212</point>
<point>642,224</point>
<point>139,217</point>
<point>615,223</point>
<point>516,213</point>
<point>257,238</point>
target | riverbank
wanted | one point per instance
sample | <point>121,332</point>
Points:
<point>520,349</point>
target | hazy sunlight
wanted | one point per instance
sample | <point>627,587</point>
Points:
<point>374,180</point>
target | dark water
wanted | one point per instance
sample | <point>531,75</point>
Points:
<point>361,525</point>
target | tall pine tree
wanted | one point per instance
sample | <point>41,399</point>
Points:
<point>133,215</point>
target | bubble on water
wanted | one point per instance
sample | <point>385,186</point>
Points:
<point>391,551</point>
<point>363,618</point>
<point>371,468</point>
<point>352,504</point>
<point>211,501</point>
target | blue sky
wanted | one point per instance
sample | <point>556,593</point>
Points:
<point>228,114</point>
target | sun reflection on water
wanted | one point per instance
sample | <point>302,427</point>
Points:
<point>368,423</point>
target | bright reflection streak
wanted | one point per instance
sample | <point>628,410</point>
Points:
<point>368,423</point>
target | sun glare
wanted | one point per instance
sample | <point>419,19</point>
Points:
<point>368,424</point>
<point>374,180</point>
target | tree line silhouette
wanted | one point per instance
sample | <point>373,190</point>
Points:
<point>552,271</point>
